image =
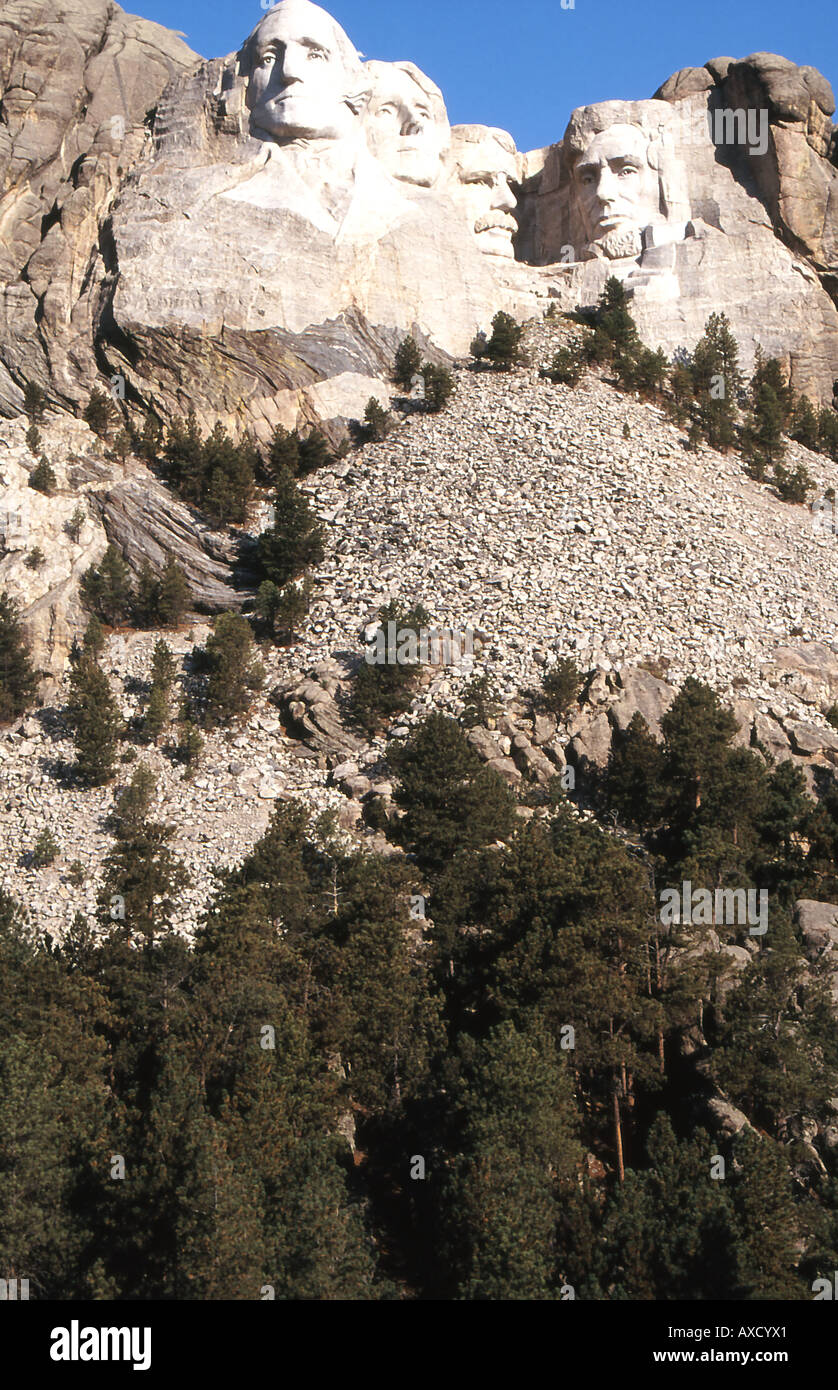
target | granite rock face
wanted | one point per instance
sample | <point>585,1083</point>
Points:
<point>796,175</point>
<point>78,79</point>
<point>252,236</point>
<point>723,201</point>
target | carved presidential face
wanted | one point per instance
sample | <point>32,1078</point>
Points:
<point>486,170</point>
<point>304,76</point>
<point>617,191</point>
<point>406,123</point>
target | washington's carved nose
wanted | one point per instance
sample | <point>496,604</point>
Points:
<point>292,66</point>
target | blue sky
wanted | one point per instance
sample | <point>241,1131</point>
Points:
<point>525,66</point>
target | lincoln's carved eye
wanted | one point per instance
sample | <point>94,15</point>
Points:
<point>317,53</point>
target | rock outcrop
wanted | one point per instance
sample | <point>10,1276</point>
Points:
<point>47,542</point>
<point>79,80</point>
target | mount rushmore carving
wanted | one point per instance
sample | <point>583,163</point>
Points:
<point>252,236</point>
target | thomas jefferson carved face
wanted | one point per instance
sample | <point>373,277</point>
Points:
<point>618,191</point>
<point>305,78</point>
<point>406,123</point>
<point>486,165</point>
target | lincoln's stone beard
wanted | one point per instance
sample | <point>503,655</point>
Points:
<point>305,80</point>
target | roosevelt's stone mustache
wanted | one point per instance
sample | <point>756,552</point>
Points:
<point>502,220</point>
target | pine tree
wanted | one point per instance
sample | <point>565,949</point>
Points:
<point>407,363</point>
<point>284,452</point>
<point>95,719</point>
<point>106,588</point>
<point>615,322</point>
<point>282,611</point>
<point>99,413</point>
<point>561,686</point>
<point>377,421</point>
<point>383,1017</point>
<point>193,1226</point>
<point>567,367</point>
<point>141,871</point>
<point>515,1161</point>
<point>717,382</point>
<point>384,685</point>
<point>93,643</point>
<point>150,439</point>
<point>503,348</point>
<point>771,405</point>
<point>147,596</point>
<point>74,526</point>
<point>34,402</point>
<point>234,672</point>
<point>697,730</point>
<point>190,745</point>
<point>439,387</point>
<point>314,452</point>
<point>804,424</point>
<point>42,478</point>
<point>174,596</point>
<point>295,542</point>
<point>670,1232</point>
<point>323,1250</point>
<point>157,712</point>
<point>634,775</point>
<point>18,682</point>
<point>133,803</point>
<point>828,432</point>
<point>769,1227</point>
<point>183,453</point>
<point>451,800</point>
<point>228,470</point>
<point>123,445</point>
<point>163,665</point>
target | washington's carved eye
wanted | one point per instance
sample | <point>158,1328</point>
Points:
<point>268,60</point>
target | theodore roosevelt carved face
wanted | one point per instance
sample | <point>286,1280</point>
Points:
<point>486,168</point>
<point>406,123</point>
<point>305,79</point>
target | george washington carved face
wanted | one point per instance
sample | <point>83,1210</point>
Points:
<point>305,79</point>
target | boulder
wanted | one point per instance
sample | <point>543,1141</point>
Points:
<point>641,693</point>
<point>723,1118</point>
<point>818,923</point>
<point>592,745</point>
